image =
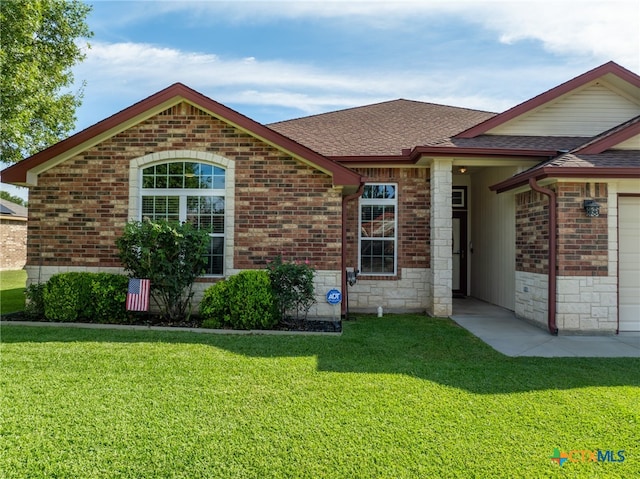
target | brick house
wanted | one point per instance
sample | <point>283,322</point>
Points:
<point>13,235</point>
<point>427,201</point>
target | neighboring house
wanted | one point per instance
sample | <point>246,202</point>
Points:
<point>13,235</point>
<point>428,202</point>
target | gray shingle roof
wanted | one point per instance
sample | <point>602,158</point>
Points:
<point>606,159</point>
<point>9,208</point>
<point>380,129</point>
<point>552,143</point>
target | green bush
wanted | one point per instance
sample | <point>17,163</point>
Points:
<point>109,298</point>
<point>292,284</point>
<point>62,295</point>
<point>243,301</point>
<point>214,308</point>
<point>171,255</point>
<point>92,297</point>
<point>34,307</point>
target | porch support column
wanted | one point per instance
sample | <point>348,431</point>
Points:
<point>441,301</point>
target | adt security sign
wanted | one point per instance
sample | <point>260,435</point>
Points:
<point>334,296</point>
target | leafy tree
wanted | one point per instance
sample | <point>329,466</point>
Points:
<point>39,46</point>
<point>171,255</point>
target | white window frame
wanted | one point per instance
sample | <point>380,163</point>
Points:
<point>379,202</point>
<point>137,165</point>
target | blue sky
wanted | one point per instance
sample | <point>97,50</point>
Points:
<point>279,60</point>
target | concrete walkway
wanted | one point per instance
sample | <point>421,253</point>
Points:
<point>500,329</point>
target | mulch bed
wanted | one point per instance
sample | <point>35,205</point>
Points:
<point>314,325</point>
<point>290,324</point>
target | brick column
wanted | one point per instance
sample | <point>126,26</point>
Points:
<point>441,239</point>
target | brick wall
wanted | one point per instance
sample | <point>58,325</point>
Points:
<point>413,215</point>
<point>532,232</point>
<point>583,242</point>
<point>80,207</point>
<point>285,207</point>
<point>13,238</point>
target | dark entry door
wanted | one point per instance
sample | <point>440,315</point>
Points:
<point>459,284</point>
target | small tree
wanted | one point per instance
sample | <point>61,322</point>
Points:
<point>171,255</point>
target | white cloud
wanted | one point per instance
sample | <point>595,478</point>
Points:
<point>120,74</point>
<point>603,30</point>
<point>585,33</point>
<point>126,69</point>
<point>598,30</point>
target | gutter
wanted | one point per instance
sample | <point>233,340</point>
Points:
<point>343,307</point>
<point>552,280</point>
<point>598,172</point>
<point>412,156</point>
<point>472,152</point>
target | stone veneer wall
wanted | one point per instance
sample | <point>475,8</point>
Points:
<point>409,289</point>
<point>13,238</point>
<point>585,304</point>
<point>410,293</point>
<point>586,296</point>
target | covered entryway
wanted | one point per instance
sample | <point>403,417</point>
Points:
<point>629,263</point>
<point>459,285</point>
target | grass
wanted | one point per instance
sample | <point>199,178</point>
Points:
<point>12,285</point>
<point>398,397</point>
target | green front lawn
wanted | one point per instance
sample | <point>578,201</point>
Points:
<point>12,285</point>
<point>397,397</point>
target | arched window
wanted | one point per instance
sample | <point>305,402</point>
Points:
<point>188,191</point>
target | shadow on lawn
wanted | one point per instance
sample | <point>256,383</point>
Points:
<point>427,348</point>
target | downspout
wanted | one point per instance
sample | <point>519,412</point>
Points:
<point>552,280</point>
<point>345,293</point>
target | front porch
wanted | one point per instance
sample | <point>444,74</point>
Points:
<point>504,332</point>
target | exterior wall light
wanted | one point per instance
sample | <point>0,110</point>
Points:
<point>462,169</point>
<point>591,208</point>
<point>352,276</point>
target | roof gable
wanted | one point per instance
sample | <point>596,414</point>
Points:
<point>633,143</point>
<point>623,137</point>
<point>26,171</point>
<point>584,106</point>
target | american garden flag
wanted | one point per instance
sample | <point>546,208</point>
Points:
<point>138,294</point>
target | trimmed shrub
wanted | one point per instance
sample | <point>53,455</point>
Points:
<point>242,301</point>
<point>92,297</point>
<point>62,297</point>
<point>109,298</point>
<point>214,308</point>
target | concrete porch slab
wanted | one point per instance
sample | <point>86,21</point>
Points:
<point>500,329</point>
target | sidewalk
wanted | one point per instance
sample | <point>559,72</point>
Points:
<point>500,329</point>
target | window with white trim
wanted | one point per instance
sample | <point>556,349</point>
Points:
<point>187,191</point>
<point>377,229</point>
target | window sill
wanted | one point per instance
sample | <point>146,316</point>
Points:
<point>378,277</point>
<point>208,279</point>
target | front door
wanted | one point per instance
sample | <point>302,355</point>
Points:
<point>459,284</point>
